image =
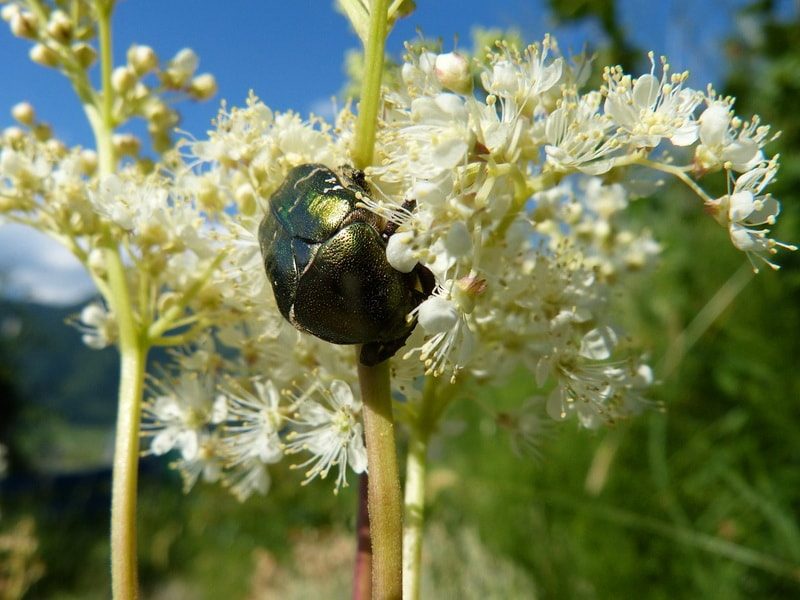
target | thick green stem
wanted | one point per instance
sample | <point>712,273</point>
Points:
<point>133,358</point>
<point>384,497</point>
<point>414,514</point>
<point>384,492</point>
<point>133,346</point>
<point>366,126</point>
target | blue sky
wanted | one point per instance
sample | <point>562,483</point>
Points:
<point>291,55</point>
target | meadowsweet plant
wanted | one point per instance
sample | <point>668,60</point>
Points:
<point>117,210</point>
<point>498,172</point>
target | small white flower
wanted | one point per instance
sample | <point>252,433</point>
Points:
<point>443,317</point>
<point>419,76</point>
<point>203,463</point>
<point>578,136</point>
<point>597,392</point>
<point>178,412</point>
<point>16,165</point>
<point>250,476</point>
<point>523,79</point>
<point>724,139</point>
<point>253,422</point>
<point>452,71</point>
<point>328,427</point>
<point>598,344</point>
<point>648,109</point>
<point>747,212</point>
<point>97,325</point>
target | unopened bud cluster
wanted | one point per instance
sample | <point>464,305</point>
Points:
<point>63,41</point>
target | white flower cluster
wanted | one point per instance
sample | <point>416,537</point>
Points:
<point>229,429</point>
<point>505,178</point>
<point>501,157</point>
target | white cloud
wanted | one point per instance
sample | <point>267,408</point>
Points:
<point>35,268</point>
<point>324,107</point>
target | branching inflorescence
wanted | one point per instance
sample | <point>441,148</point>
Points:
<point>519,178</point>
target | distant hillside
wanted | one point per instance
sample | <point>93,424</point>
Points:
<point>53,370</point>
<point>65,392</point>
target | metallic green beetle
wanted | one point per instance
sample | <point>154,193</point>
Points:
<point>326,260</point>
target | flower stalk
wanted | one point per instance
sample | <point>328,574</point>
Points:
<point>133,347</point>
<point>104,129</point>
<point>383,490</point>
<point>435,400</point>
<point>384,493</point>
<point>133,358</point>
<point>366,125</point>
<point>414,512</point>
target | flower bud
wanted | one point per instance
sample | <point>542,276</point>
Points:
<point>466,291</point>
<point>452,71</point>
<point>246,199</point>
<point>12,164</point>
<point>401,253</point>
<point>13,135</point>
<point>96,262</point>
<point>126,144</point>
<point>56,148</point>
<point>23,113</point>
<point>437,315</point>
<point>143,59</point>
<point>156,111</point>
<point>42,55</point>
<point>85,54</point>
<point>59,26</point>
<point>145,166</point>
<point>42,132</point>
<point>88,161</point>
<point>24,25</point>
<point>203,86</point>
<point>123,79</point>
<point>160,139</point>
<point>180,69</point>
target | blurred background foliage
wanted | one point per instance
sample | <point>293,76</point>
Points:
<point>698,500</point>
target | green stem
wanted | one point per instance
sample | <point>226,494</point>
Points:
<point>432,406</point>
<point>103,120</point>
<point>435,400</point>
<point>170,318</point>
<point>133,359</point>
<point>414,513</point>
<point>133,346</point>
<point>384,493</point>
<point>366,125</point>
<point>676,172</point>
